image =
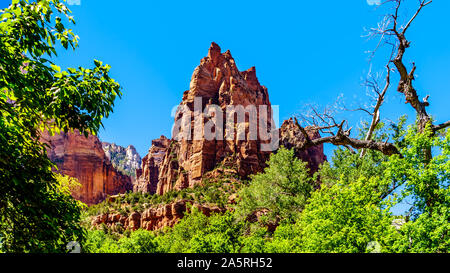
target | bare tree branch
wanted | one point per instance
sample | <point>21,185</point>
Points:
<point>441,126</point>
<point>422,5</point>
<point>342,138</point>
<point>376,111</point>
<point>393,34</point>
<point>405,85</point>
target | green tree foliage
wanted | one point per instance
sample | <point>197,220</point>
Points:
<point>348,215</point>
<point>98,241</point>
<point>221,235</point>
<point>347,165</point>
<point>341,218</point>
<point>139,241</point>
<point>281,191</point>
<point>254,239</point>
<point>351,213</point>
<point>197,233</point>
<point>36,94</point>
<point>426,182</point>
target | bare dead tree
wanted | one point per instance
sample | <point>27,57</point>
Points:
<point>405,84</point>
<point>379,99</point>
<point>338,133</point>
<point>390,32</point>
<point>407,77</point>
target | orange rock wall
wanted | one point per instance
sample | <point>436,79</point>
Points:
<point>83,158</point>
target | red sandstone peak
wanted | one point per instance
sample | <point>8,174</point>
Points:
<point>181,163</point>
<point>147,176</point>
<point>214,52</point>
<point>218,81</point>
<point>218,78</point>
<point>250,77</point>
<point>228,54</point>
<point>292,138</point>
<point>174,165</point>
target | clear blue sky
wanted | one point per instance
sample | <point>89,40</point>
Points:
<point>304,52</point>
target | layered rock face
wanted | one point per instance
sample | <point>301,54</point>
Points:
<point>154,218</point>
<point>216,87</point>
<point>126,160</point>
<point>83,158</point>
<point>215,82</point>
<point>292,138</point>
<point>147,177</point>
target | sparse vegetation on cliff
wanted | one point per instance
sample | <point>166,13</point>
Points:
<point>211,192</point>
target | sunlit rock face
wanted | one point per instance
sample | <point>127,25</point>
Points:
<point>182,161</point>
<point>147,176</point>
<point>292,138</point>
<point>83,158</point>
<point>216,81</point>
<point>126,160</point>
<point>154,218</point>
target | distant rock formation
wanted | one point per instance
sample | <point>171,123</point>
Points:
<point>83,158</point>
<point>126,160</point>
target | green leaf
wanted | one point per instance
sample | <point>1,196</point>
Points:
<point>55,67</point>
<point>98,63</point>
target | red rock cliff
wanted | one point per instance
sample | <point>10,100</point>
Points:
<point>147,177</point>
<point>83,158</point>
<point>292,138</point>
<point>154,218</point>
<point>180,163</point>
<point>216,81</point>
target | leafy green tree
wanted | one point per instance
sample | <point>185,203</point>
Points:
<point>347,165</point>
<point>346,218</point>
<point>348,211</point>
<point>426,181</point>
<point>254,239</point>
<point>428,233</point>
<point>343,218</point>
<point>140,241</point>
<point>221,235</point>
<point>350,215</point>
<point>177,239</point>
<point>98,241</point>
<point>197,233</point>
<point>280,192</point>
<point>285,239</point>
<point>36,94</point>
